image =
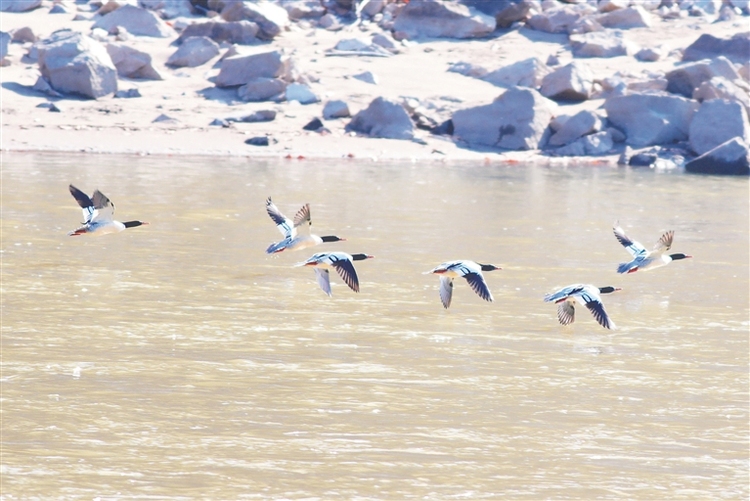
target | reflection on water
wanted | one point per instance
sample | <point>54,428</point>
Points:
<point>179,361</point>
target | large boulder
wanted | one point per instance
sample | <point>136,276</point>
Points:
<point>598,143</point>
<point>525,73</point>
<point>239,32</point>
<point>270,18</point>
<point>505,12</point>
<point>581,124</point>
<point>383,118</point>
<point>73,63</point>
<point>649,119</point>
<point>686,78</point>
<point>716,122</point>
<point>19,5</point>
<point>434,18</point>
<point>239,70</point>
<point>136,20</point>
<point>736,48</point>
<point>729,159</point>
<point>132,63</point>
<point>517,120</point>
<point>262,89</point>
<point>194,51</point>
<point>572,82</point>
<point>610,43</point>
<point>557,20</point>
<point>632,17</point>
<point>721,88</point>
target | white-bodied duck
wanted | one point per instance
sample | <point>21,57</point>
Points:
<point>342,262</point>
<point>587,295</point>
<point>288,228</point>
<point>97,214</point>
<point>642,258</point>
<point>469,270</point>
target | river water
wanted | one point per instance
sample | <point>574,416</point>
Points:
<point>179,361</point>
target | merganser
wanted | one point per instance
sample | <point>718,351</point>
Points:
<point>339,261</point>
<point>469,270</point>
<point>292,241</point>
<point>97,214</point>
<point>587,295</point>
<point>643,259</point>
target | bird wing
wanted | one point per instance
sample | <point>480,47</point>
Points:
<point>633,247</point>
<point>566,312</point>
<point>562,293</point>
<point>324,280</point>
<point>446,291</point>
<point>345,269</point>
<point>87,206</point>
<point>590,297</point>
<point>664,243</point>
<point>478,285</point>
<point>104,208</point>
<point>284,225</point>
<point>302,216</point>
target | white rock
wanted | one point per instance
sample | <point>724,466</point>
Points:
<point>730,158</point>
<point>367,76</point>
<point>581,124</point>
<point>383,118</point>
<point>525,73</point>
<point>433,18</point>
<point>137,21</point>
<point>262,89</point>
<point>132,63</point>
<point>649,119</point>
<point>239,70</point>
<point>194,51</point>
<point>716,122</point>
<point>335,109</point>
<point>301,93</point>
<point>610,43</point>
<point>572,82</point>
<point>632,17</point>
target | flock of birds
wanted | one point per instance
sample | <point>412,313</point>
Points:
<point>98,213</point>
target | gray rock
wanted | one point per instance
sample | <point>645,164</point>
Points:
<point>385,42</point>
<point>61,8</point>
<point>525,73</point>
<point>648,119</point>
<point>239,70</point>
<point>301,93</point>
<point>127,94</point>
<point>572,82</point>
<point>649,54</point>
<point>433,18</point>
<point>313,125</point>
<point>19,5</point>
<point>304,9</point>
<point>729,159</point>
<point>581,124</point>
<point>685,79</point>
<point>367,77</point>
<point>258,141</point>
<point>270,18</point>
<point>194,51</point>
<point>736,48</point>
<point>262,89</point>
<point>585,25</point>
<point>239,32</point>
<point>468,69</point>
<point>616,134</point>
<point>73,63</point>
<point>329,22</point>
<point>610,5</point>
<point>383,118</point>
<point>505,12</point>
<point>632,17</point>
<point>164,119</point>
<point>716,122</point>
<point>23,35</point>
<point>643,159</point>
<point>42,85</point>
<point>219,122</point>
<point>259,116</point>
<point>356,46</point>
<point>608,43</point>
<point>721,88</point>
<point>599,143</point>
<point>4,42</point>
<point>558,20</point>
<point>517,120</point>
<point>335,109</point>
<point>132,63</point>
<point>136,20</point>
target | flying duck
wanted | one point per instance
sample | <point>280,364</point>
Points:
<point>97,214</point>
<point>587,295</point>
<point>339,261</point>
<point>469,270</point>
<point>288,228</point>
<point>643,259</point>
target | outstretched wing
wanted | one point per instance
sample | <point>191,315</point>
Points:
<point>665,242</point>
<point>597,309</point>
<point>478,285</point>
<point>446,291</point>
<point>566,312</point>
<point>87,206</point>
<point>303,216</point>
<point>633,247</point>
<point>324,280</point>
<point>348,274</point>
<point>284,225</point>
<point>105,209</point>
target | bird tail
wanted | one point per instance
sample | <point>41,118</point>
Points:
<point>273,248</point>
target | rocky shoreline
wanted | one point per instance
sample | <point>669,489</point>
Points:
<point>652,83</point>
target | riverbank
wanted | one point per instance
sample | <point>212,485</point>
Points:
<point>172,115</point>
